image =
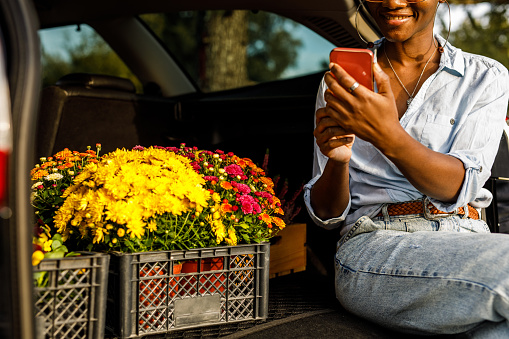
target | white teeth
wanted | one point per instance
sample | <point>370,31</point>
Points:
<point>395,17</point>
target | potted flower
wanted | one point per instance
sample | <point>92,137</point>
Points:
<point>166,202</point>
<point>64,282</point>
<point>136,201</point>
<point>245,204</point>
<point>52,176</point>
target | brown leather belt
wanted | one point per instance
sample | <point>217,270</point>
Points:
<point>419,207</point>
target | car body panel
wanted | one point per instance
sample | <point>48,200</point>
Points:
<point>19,26</point>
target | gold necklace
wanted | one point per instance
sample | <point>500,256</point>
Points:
<point>411,96</point>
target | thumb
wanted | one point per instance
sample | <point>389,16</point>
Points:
<point>382,80</point>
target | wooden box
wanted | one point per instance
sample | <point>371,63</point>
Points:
<point>288,251</point>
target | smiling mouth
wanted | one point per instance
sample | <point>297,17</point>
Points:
<point>387,17</point>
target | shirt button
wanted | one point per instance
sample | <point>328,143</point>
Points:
<point>480,169</point>
<point>452,121</point>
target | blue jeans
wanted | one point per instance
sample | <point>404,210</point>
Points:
<point>426,276</point>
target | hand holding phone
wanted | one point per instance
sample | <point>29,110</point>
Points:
<point>357,62</point>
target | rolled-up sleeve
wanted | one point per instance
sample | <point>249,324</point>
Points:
<point>477,142</point>
<point>329,223</point>
<point>319,163</point>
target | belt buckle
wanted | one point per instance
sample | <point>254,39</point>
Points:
<point>430,216</point>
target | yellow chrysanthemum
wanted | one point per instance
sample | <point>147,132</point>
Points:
<point>98,235</point>
<point>231,240</point>
<point>37,257</point>
<point>47,246</point>
<point>216,197</point>
<point>152,226</point>
<point>129,188</point>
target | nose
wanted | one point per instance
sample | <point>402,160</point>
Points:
<point>393,4</point>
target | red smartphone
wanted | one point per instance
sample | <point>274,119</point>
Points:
<point>358,62</point>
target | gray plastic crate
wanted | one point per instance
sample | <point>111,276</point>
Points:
<point>73,304</point>
<point>147,295</point>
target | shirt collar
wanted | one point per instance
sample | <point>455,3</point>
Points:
<point>451,60</point>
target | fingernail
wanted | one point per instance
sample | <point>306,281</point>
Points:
<point>331,65</point>
<point>377,67</point>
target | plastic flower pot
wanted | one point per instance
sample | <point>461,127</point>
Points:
<point>153,290</point>
<point>209,282</point>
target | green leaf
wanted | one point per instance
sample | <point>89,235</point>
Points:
<point>73,254</point>
<point>41,279</point>
<point>56,244</point>
<point>54,255</point>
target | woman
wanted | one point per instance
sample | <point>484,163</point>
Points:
<point>390,165</point>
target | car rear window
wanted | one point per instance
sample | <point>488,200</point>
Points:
<point>223,50</point>
<point>79,49</point>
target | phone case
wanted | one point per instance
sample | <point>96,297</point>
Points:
<point>357,62</point>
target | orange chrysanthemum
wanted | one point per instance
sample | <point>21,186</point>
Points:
<point>279,222</point>
<point>48,164</point>
<point>226,208</point>
<point>39,174</point>
<point>63,155</point>
<point>226,185</point>
<point>266,218</point>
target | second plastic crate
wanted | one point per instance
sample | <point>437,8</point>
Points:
<point>71,303</point>
<point>159,292</point>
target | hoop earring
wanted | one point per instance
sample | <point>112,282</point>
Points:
<point>441,48</point>
<point>369,44</point>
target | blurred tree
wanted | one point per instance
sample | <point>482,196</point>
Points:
<point>225,40</point>
<point>469,2</point>
<point>487,35</point>
<point>90,55</point>
<point>181,33</point>
<point>218,49</point>
<point>272,48</point>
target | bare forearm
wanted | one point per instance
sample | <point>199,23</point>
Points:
<point>330,194</point>
<point>436,175</point>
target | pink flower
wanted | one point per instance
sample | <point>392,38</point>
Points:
<point>196,166</point>
<point>243,188</point>
<point>249,204</point>
<point>257,208</point>
<point>234,170</point>
<point>247,208</point>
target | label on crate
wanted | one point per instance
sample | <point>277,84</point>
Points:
<point>194,311</point>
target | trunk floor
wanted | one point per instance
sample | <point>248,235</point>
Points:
<point>301,305</point>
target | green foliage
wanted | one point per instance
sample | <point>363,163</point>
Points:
<point>272,48</point>
<point>58,250</point>
<point>180,33</point>
<point>488,35</point>
<point>89,54</point>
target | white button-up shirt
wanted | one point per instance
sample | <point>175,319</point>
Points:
<point>460,111</point>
